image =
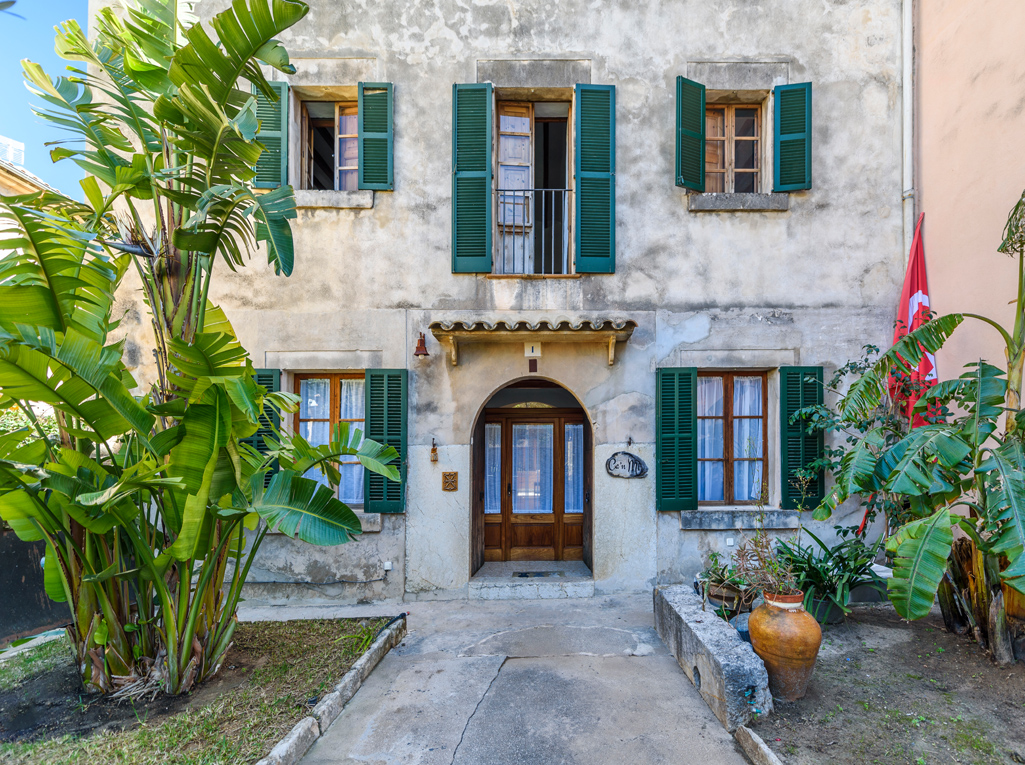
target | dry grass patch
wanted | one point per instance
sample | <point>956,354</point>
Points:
<point>273,676</point>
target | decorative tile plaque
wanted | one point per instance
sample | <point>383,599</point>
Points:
<point>450,481</point>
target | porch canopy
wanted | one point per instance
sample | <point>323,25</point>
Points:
<point>601,332</point>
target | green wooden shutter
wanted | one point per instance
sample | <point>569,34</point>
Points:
<point>595,183</point>
<point>385,393</point>
<point>799,387</point>
<point>269,420</point>
<point>792,156</point>
<point>376,128</point>
<point>471,178</point>
<point>676,477</point>
<point>272,166</point>
<point>690,134</point>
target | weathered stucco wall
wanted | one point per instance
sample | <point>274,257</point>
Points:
<point>808,284</point>
<point>970,169</point>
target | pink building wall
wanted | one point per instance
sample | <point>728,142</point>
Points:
<point>969,161</point>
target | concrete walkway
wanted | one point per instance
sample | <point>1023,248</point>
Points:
<point>524,681</point>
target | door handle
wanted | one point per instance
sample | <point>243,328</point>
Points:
<point>587,497</point>
<point>508,489</point>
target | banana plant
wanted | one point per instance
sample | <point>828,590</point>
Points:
<point>162,118</point>
<point>152,507</point>
<point>965,469</point>
<point>142,503</point>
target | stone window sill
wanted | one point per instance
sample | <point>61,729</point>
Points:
<point>726,517</point>
<point>532,276</point>
<point>314,199</point>
<point>739,202</point>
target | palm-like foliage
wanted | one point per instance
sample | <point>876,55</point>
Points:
<point>963,458</point>
<point>142,502</point>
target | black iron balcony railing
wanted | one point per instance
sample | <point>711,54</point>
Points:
<point>532,231</point>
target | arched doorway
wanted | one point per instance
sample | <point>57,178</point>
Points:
<point>532,476</point>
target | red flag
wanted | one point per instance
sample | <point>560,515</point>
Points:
<point>912,313</point>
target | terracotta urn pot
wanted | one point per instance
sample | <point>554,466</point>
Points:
<point>787,639</point>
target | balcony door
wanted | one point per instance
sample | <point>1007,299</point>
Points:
<point>532,195</point>
<point>536,484</point>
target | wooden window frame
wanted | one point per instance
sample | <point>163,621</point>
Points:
<point>306,150</point>
<point>336,403</point>
<point>729,139</point>
<point>728,458</point>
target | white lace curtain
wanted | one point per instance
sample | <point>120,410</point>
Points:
<point>315,402</point>
<point>710,439</point>
<point>351,407</point>
<point>493,467</point>
<point>747,439</point>
<point>532,459</point>
<point>574,490</point>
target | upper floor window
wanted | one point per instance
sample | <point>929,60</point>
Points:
<point>532,198</point>
<point>733,148</point>
<point>720,146</point>
<point>330,146</point>
<point>534,182</point>
<point>343,144</point>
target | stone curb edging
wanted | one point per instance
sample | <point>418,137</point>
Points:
<point>756,750</point>
<point>727,673</point>
<point>290,749</point>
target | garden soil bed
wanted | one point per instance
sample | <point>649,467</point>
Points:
<point>273,676</point>
<point>890,691</point>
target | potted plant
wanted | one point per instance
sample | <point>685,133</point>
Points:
<point>783,634</point>
<point>828,575</point>
<point>722,586</point>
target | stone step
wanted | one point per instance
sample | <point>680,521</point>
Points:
<point>532,580</point>
<point>530,589</point>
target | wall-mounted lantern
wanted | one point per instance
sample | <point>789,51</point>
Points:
<point>421,347</point>
<point>434,449</point>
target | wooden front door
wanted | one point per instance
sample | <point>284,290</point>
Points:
<point>535,491</point>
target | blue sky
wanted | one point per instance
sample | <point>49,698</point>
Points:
<point>33,39</point>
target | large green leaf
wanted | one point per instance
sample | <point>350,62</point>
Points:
<point>346,441</point>
<point>1006,503</point>
<point>29,375</point>
<point>72,108</point>
<point>301,507</point>
<point>979,392</point>
<point>866,393</point>
<point>49,274</point>
<point>921,549</point>
<point>926,460</point>
<point>856,474</point>
<point>245,36</point>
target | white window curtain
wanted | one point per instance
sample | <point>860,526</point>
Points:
<point>747,438</point>
<point>351,407</point>
<point>574,491</point>
<point>315,403</point>
<point>532,460</point>
<point>493,467</point>
<point>710,440</point>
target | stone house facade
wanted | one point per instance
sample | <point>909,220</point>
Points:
<point>631,237</point>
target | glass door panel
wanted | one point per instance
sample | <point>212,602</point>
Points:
<point>574,488</point>
<point>493,468</point>
<point>532,463</point>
